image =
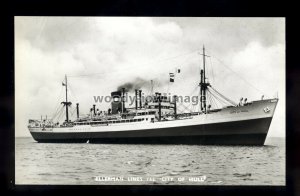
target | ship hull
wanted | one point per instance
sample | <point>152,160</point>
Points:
<point>243,132</point>
<point>244,125</point>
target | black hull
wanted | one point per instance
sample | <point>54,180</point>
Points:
<point>254,139</point>
<point>247,132</point>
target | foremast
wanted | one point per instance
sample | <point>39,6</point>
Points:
<point>66,103</point>
<point>203,84</point>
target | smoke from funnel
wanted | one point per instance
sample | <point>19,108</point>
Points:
<point>139,83</point>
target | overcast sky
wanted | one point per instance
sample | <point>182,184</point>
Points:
<point>247,59</point>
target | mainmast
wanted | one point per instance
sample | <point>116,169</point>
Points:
<point>203,53</point>
<point>203,85</point>
<point>66,103</point>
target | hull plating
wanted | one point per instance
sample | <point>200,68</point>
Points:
<point>246,132</point>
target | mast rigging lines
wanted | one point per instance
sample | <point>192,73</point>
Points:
<point>213,96</point>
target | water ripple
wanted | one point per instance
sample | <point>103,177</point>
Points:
<point>38,163</point>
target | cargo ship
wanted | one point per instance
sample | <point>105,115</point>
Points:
<point>158,122</point>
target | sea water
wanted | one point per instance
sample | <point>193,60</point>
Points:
<point>118,164</point>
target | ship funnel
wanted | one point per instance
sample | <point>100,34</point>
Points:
<point>140,94</point>
<point>175,107</point>
<point>94,109</point>
<point>116,104</point>
<point>123,100</point>
<point>136,99</point>
<point>159,106</point>
<point>77,109</point>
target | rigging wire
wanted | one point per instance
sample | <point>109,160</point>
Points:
<point>186,108</point>
<point>72,111</point>
<point>58,104</point>
<point>214,96</point>
<point>222,63</point>
<point>212,70</point>
<point>215,101</point>
<point>72,93</point>
<point>219,99</point>
<point>58,115</point>
<point>181,104</point>
<point>43,22</point>
<point>140,65</point>
<point>221,95</point>
<point>209,100</point>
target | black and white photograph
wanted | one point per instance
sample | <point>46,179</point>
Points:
<point>150,100</point>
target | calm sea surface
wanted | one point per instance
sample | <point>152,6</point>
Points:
<point>40,163</point>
